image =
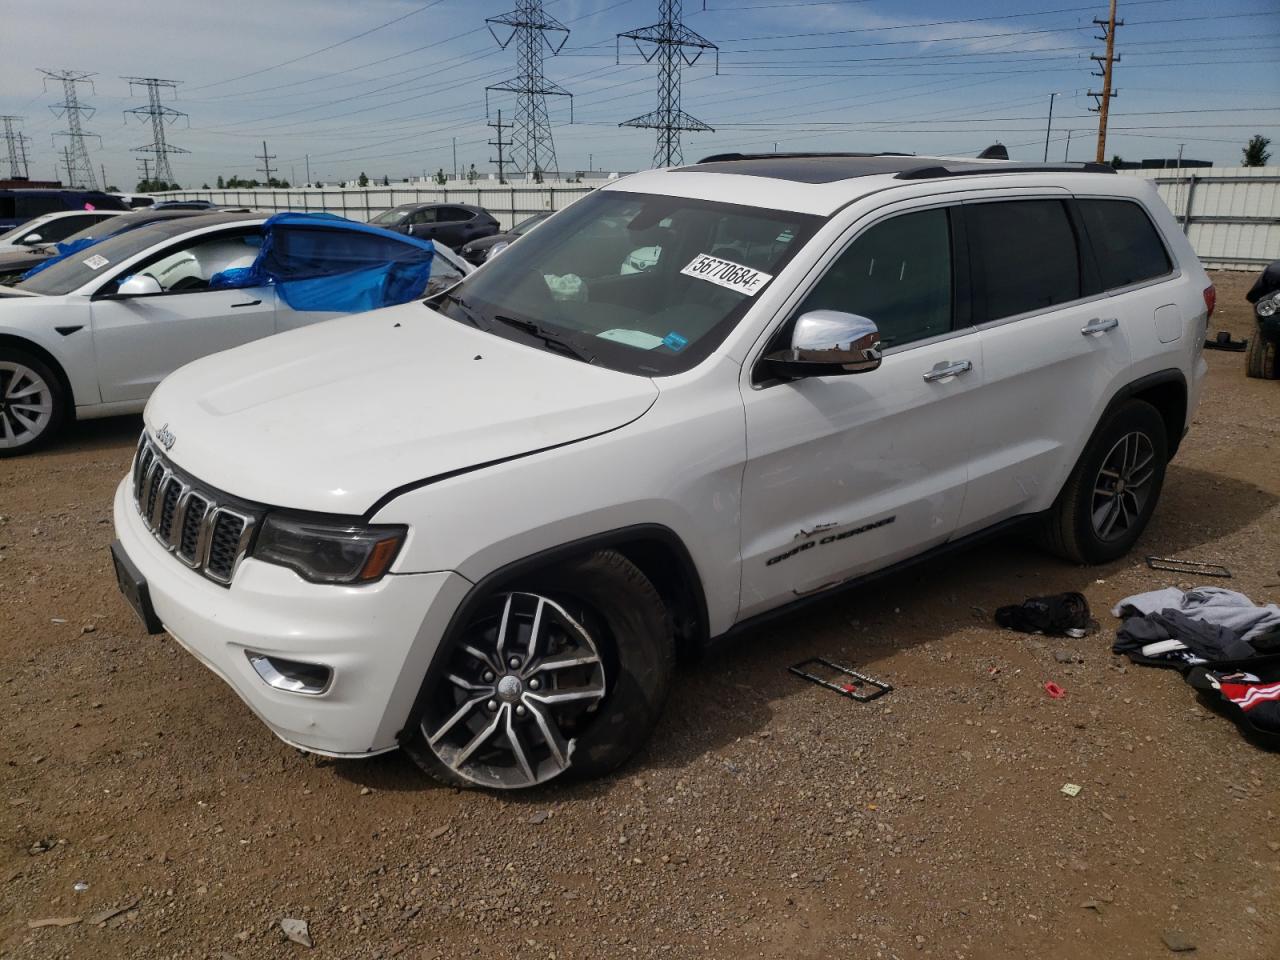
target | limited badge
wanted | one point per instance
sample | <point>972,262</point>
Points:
<point>726,273</point>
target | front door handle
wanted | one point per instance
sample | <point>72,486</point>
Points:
<point>1098,325</point>
<point>247,303</point>
<point>944,370</point>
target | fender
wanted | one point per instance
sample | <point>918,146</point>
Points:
<point>509,572</point>
<point>1170,377</point>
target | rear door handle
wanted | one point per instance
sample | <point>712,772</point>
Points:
<point>1098,325</point>
<point>944,370</point>
<point>248,303</point>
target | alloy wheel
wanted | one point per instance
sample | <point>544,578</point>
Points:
<point>525,679</point>
<point>1123,486</point>
<point>26,404</point>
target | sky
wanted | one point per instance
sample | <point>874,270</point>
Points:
<point>387,87</point>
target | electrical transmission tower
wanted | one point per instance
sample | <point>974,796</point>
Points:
<point>1106,60</point>
<point>501,144</point>
<point>531,30</point>
<point>266,163</point>
<point>17,144</point>
<point>674,46</point>
<point>80,171</point>
<point>160,116</point>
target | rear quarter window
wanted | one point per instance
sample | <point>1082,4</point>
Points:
<point>1126,244</point>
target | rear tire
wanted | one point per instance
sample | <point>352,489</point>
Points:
<point>499,713</point>
<point>33,403</point>
<point>1113,490</point>
<point>1260,360</point>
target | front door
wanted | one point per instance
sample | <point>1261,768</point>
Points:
<point>141,340</point>
<point>847,474</point>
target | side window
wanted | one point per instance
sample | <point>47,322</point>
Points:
<point>1025,256</point>
<point>455,214</point>
<point>64,227</point>
<point>38,205</point>
<point>426,215</point>
<point>188,268</point>
<point>1125,242</point>
<point>897,274</point>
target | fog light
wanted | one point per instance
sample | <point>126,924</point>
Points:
<point>293,676</point>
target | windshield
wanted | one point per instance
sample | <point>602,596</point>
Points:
<point>81,267</point>
<point>389,218</point>
<point>640,283</point>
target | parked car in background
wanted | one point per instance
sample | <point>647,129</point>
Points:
<point>453,224</point>
<point>481,528</point>
<point>92,334</point>
<point>51,228</point>
<point>478,251</point>
<point>1263,357</point>
<point>15,261</point>
<point>19,206</point>
<point>184,205</point>
<point>136,200</point>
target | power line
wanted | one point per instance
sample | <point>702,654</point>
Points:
<point>17,144</point>
<point>160,116</point>
<point>674,46</point>
<point>80,172</point>
<point>533,29</point>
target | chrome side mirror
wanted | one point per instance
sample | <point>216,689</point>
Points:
<point>139,285</point>
<point>31,239</point>
<point>828,343</point>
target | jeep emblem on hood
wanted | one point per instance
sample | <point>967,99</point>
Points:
<point>164,437</point>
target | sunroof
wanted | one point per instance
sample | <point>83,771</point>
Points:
<point>808,169</point>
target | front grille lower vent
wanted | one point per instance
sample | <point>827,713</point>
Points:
<point>192,521</point>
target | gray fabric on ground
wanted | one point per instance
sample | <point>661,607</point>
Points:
<point>1227,608</point>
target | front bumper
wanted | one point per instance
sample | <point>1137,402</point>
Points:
<point>377,639</point>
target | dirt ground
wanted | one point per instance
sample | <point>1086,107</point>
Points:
<point>767,818</point>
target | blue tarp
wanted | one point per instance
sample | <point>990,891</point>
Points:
<point>318,261</point>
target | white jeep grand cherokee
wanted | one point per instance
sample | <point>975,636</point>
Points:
<point>480,528</point>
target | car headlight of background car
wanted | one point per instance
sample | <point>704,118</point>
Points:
<point>497,248</point>
<point>1269,306</point>
<point>329,551</point>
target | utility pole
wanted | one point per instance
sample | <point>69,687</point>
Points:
<point>17,144</point>
<point>535,150</point>
<point>81,173</point>
<point>455,158</point>
<point>1048,127</point>
<point>1067,150</point>
<point>1107,60</point>
<point>266,163</point>
<point>499,126</point>
<point>674,46</point>
<point>308,158</point>
<point>103,168</point>
<point>159,115</point>
<point>146,172</point>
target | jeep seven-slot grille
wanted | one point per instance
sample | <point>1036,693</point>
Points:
<point>187,518</point>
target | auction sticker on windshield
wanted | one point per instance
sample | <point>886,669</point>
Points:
<point>96,262</point>
<point>726,273</point>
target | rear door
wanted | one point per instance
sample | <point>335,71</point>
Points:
<point>141,340</point>
<point>454,226</point>
<point>1054,350</point>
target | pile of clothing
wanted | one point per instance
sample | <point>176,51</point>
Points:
<point>1226,646</point>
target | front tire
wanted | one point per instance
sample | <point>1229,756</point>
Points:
<point>564,672</point>
<point>1260,360</point>
<point>1111,494</point>
<point>32,403</point>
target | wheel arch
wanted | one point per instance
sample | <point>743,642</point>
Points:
<point>1166,390</point>
<point>44,356</point>
<point>656,550</point>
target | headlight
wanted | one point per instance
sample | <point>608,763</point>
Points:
<point>1269,306</point>
<point>497,248</point>
<point>329,552</point>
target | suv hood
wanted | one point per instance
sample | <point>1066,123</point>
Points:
<point>334,416</point>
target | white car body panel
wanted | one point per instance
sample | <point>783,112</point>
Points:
<point>492,451</point>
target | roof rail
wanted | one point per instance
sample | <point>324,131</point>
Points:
<point>801,155</point>
<point>982,169</point>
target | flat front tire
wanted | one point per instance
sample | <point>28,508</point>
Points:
<point>1112,492</point>
<point>561,673</point>
<point>32,402</point>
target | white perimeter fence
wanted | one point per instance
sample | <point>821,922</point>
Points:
<point>1230,214</point>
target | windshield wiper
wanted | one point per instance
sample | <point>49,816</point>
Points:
<point>466,311</point>
<point>554,340</point>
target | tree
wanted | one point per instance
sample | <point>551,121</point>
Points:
<point>1116,160</point>
<point>440,178</point>
<point>386,181</point>
<point>205,187</point>
<point>1255,151</point>
<point>364,180</point>
<point>221,184</point>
